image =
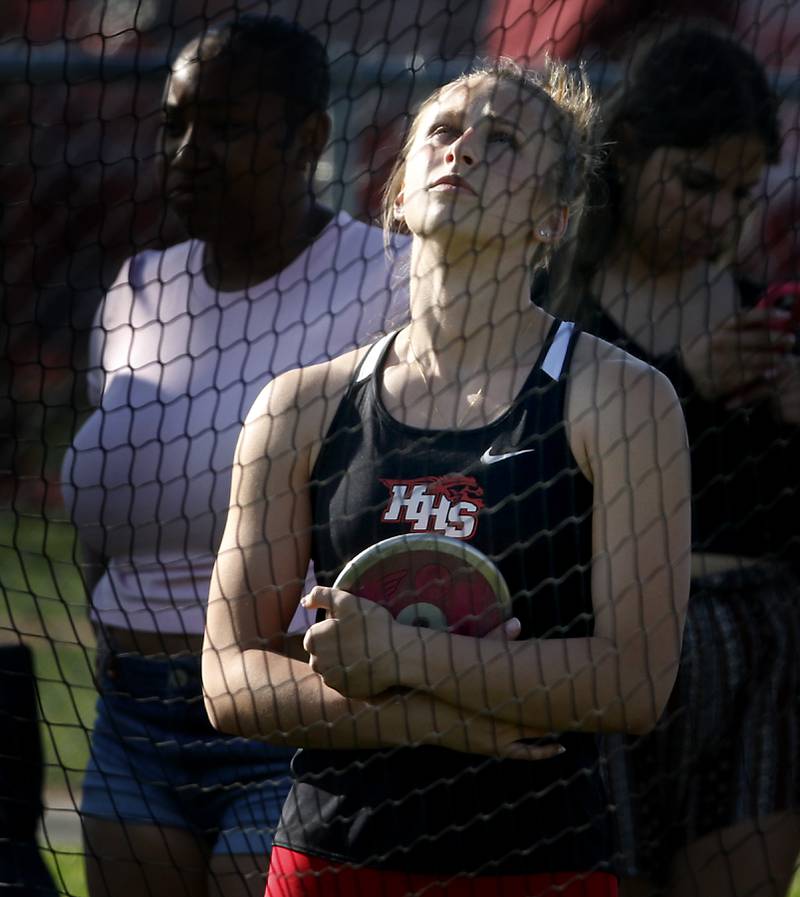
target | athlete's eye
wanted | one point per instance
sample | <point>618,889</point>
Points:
<point>443,132</point>
<point>503,138</point>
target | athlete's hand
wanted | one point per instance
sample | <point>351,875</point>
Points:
<point>742,357</point>
<point>357,649</point>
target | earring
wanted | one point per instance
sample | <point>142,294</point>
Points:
<point>543,233</point>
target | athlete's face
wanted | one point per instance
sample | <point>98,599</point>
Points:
<point>482,165</point>
<point>230,162</point>
<point>681,206</point>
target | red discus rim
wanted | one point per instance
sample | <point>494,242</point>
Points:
<point>468,555</point>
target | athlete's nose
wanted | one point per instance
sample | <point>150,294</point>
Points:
<point>462,149</point>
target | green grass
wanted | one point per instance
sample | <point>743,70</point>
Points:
<point>65,863</point>
<point>42,601</point>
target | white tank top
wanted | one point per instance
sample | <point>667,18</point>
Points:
<point>174,368</point>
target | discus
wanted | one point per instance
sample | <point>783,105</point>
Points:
<point>431,581</point>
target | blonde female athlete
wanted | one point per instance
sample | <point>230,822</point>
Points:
<point>423,766</point>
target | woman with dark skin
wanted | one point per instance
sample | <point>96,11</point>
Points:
<point>269,280</point>
<point>710,799</point>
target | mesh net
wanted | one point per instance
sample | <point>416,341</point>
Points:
<point>167,255</point>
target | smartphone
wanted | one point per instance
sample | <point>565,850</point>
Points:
<point>785,296</point>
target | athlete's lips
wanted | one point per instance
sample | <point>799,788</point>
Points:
<point>452,181</point>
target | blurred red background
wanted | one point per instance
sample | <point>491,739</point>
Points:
<point>77,156</point>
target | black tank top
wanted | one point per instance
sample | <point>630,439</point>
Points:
<point>745,476</point>
<point>514,490</point>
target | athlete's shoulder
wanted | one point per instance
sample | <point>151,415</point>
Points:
<point>614,400</point>
<point>294,412</point>
<point>607,368</point>
<point>309,391</point>
<point>614,394</point>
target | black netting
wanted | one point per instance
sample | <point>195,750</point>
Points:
<point>588,674</point>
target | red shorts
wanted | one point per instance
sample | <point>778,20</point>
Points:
<point>294,874</point>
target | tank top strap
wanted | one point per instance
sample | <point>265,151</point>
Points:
<point>362,382</point>
<point>373,358</point>
<point>544,392</point>
<point>553,362</point>
<point>557,358</point>
<point>353,411</point>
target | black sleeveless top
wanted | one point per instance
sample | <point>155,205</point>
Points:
<point>745,471</point>
<point>514,490</point>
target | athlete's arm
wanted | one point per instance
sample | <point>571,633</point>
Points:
<point>251,687</point>
<point>628,434</point>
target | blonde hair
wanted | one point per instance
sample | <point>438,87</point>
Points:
<point>567,95</point>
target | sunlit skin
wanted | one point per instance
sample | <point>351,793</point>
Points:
<point>479,195</point>
<point>234,172</point>
<point>482,165</point>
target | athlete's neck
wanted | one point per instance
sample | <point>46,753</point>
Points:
<point>470,310</point>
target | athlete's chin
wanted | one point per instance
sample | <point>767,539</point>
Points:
<point>451,227</point>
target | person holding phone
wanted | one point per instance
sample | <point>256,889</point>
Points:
<point>430,761</point>
<point>709,801</point>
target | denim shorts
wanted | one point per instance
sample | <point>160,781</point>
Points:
<point>156,760</point>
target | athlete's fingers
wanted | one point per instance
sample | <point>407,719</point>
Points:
<point>319,597</point>
<point>322,598</point>
<point>308,639</point>
<point>508,629</point>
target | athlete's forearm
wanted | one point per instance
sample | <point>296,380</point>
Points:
<point>278,699</point>
<point>554,685</point>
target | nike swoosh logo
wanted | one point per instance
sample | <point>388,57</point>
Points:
<point>488,458</point>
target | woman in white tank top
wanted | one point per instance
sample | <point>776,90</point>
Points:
<point>185,340</point>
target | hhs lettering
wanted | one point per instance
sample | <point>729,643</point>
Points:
<point>446,505</point>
